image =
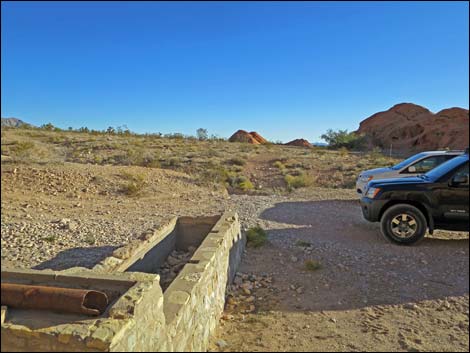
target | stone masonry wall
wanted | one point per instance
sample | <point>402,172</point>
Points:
<point>143,318</point>
<point>195,301</point>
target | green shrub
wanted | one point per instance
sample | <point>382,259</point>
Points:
<point>239,181</point>
<point>279,165</point>
<point>303,244</point>
<point>312,265</point>
<point>245,184</point>
<point>343,138</point>
<point>256,237</point>
<point>50,238</point>
<point>298,181</point>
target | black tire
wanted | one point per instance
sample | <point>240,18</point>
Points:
<point>411,228</point>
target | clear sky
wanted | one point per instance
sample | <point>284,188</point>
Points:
<point>284,69</point>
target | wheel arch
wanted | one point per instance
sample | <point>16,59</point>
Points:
<point>427,214</point>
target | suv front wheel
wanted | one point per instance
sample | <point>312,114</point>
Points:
<point>403,224</point>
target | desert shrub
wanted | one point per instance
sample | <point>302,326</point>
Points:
<point>90,239</point>
<point>236,161</point>
<point>298,181</point>
<point>238,181</point>
<point>237,168</point>
<point>173,162</point>
<point>134,185</point>
<point>214,174</point>
<point>312,265</point>
<point>174,136</point>
<point>256,237</point>
<point>244,184</point>
<point>23,149</point>
<point>343,138</point>
<point>50,238</point>
<point>202,134</point>
<point>294,164</point>
<point>279,165</point>
<point>376,153</point>
<point>151,160</point>
<point>343,152</point>
<point>303,244</point>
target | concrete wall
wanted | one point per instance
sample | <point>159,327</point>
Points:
<point>195,300</point>
<point>136,308</point>
<point>141,317</point>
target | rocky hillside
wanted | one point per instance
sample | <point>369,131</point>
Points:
<point>412,128</point>
<point>248,137</point>
<point>13,122</point>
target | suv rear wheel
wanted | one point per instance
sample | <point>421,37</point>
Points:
<point>403,224</point>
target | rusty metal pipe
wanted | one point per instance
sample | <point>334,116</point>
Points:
<point>77,301</point>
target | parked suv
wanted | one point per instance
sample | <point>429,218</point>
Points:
<point>408,207</point>
<point>415,165</point>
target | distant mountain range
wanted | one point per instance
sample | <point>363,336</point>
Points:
<point>13,122</point>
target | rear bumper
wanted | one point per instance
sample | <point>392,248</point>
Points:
<point>371,208</point>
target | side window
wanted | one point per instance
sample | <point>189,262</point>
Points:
<point>425,165</point>
<point>463,171</point>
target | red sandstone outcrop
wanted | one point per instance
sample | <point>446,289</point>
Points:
<point>248,137</point>
<point>299,143</point>
<point>412,128</point>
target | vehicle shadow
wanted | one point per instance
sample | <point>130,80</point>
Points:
<point>358,267</point>
<point>86,257</point>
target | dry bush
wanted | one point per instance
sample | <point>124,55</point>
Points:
<point>134,185</point>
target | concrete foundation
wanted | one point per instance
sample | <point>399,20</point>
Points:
<point>140,317</point>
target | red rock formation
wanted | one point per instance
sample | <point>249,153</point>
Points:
<point>247,137</point>
<point>412,128</point>
<point>258,137</point>
<point>299,143</point>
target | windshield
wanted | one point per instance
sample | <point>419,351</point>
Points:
<point>408,161</point>
<point>445,168</point>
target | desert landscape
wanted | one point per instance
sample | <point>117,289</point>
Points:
<point>322,280</point>
<point>230,176</point>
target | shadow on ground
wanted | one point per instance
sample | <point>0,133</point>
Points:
<point>358,267</point>
<point>77,257</point>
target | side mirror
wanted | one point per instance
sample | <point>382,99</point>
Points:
<point>412,169</point>
<point>461,179</point>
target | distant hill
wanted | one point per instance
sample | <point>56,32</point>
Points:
<point>413,128</point>
<point>248,137</point>
<point>299,143</point>
<point>13,122</point>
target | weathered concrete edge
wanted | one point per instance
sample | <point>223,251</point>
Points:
<point>123,257</point>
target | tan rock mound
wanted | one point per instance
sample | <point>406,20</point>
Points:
<point>299,143</point>
<point>412,128</point>
<point>247,137</point>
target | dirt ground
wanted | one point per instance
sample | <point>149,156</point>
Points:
<point>367,294</point>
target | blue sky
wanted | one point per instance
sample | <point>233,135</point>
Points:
<point>285,69</point>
